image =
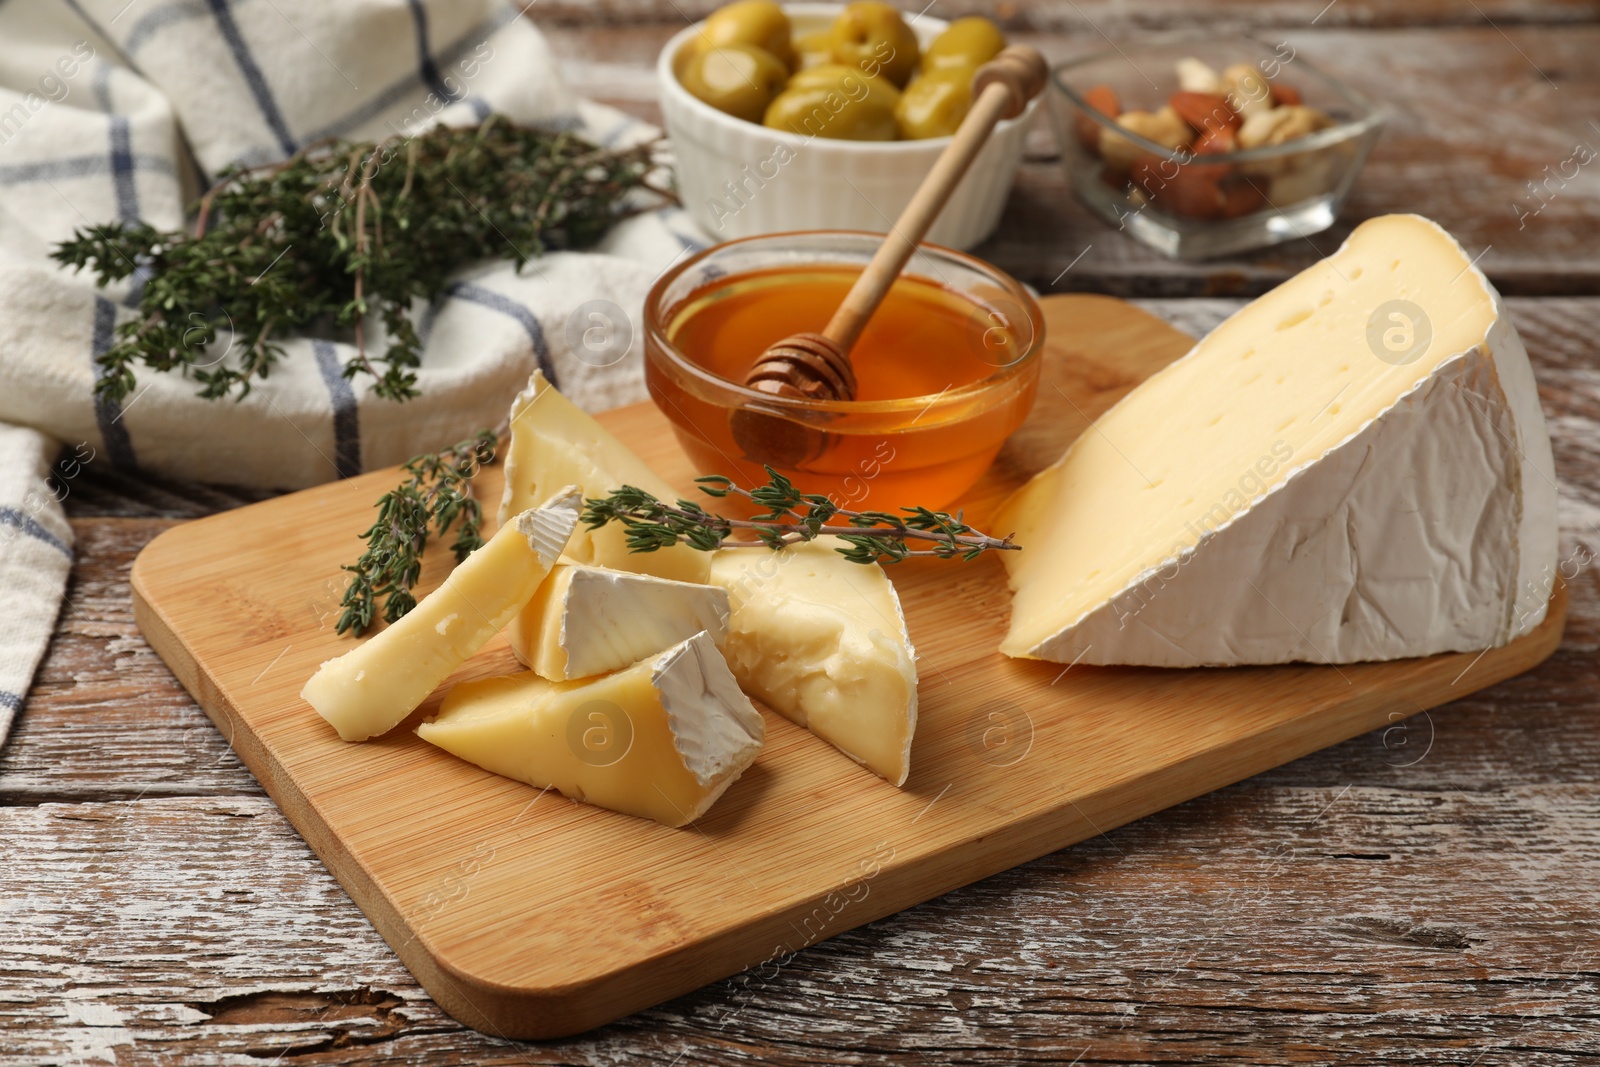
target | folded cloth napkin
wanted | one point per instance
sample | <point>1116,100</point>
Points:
<point>122,109</point>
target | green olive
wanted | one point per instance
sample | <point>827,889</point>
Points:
<point>848,80</point>
<point>934,104</point>
<point>739,79</point>
<point>814,50</point>
<point>871,36</point>
<point>836,101</point>
<point>758,22</point>
<point>970,42</point>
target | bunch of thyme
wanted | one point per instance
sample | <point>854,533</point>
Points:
<point>791,516</point>
<point>342,231</point>
<point>436,496</point>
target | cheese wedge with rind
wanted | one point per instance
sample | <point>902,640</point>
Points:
<point>823,641</point>
<point>370,689</point>
<point>585,621</point>
<point>555,443</point>
<point>662,739</point>
<point>1309,483</point>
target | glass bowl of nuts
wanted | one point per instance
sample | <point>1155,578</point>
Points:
<point>1207,146</point>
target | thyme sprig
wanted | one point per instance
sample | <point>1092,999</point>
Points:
<point>338,234</point>
<point>437,496</point>
<point>790,517</point>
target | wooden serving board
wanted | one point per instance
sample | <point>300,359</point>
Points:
<point>525,914</point>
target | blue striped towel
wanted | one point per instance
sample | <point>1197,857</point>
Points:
<point>122,109</point>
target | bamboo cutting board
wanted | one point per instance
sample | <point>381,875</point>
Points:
<point>525,914</point>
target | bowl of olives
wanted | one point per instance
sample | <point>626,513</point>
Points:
<point>813,116</point>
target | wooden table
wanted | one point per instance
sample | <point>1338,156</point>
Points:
<point>1428,893</point>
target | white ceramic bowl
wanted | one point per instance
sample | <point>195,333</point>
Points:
<point>738,179</point>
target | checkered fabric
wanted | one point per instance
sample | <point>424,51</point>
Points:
<point>123,109</point>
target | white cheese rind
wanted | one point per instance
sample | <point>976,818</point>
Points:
<point>554,443</point>
<point>1539,532</point>
<point>823,641</point>
<point>586,621</point>
<point>714,726</point>
<point>661,740</point>
<point>549,528</point>
<point>1428,528</point>
<point>370,689</point>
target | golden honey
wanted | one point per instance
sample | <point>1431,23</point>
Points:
<point>944,377</point>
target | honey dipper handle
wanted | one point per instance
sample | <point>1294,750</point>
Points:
<point>1001,89</point>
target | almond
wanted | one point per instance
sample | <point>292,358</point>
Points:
<point>1204,111</point>
<point>1285,95</point>
<point>1216,142</point>
<point>1193,194</point>
<point>1192,190</point>
<point>1241,197</point>
<point>1103,99</point>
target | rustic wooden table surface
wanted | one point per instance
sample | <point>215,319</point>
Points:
<point>1429,893</point>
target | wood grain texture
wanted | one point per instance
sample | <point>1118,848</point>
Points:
<point>1480,111</point>
<point>492,892</point>
<point>1363,922</point>
<point>1094,15</point>
<point>200,928</point>
<point>1427,893</point>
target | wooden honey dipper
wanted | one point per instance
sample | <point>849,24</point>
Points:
<point>816,366</point>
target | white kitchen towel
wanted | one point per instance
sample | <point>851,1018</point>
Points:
<point>123,109</point>
<point>35,556</point>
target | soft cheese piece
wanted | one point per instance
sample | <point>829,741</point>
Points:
<point>554,443</point>
<point>1353,467</point>
<point>375,685</point>
<point>585,621</point>
<point>823,641</point>
<point>662,739</point>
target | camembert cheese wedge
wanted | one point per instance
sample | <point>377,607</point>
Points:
<point>823,641</point>
<point>662,739</point>
<point>370,689</point>
<point>1353,467</point>
<point>554,443</point>
<point>585,621</point>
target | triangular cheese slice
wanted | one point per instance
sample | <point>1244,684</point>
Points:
<point>823,641</point>
<point>554,443</point>
<point>1352,467</point>
<point>370,689</point>
<point>585,621</point>
<point>662,739</point>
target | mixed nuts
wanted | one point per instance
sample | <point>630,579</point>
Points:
<point>1210,113</point>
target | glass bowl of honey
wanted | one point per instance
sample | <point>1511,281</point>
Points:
<point>946,370</point>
